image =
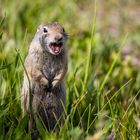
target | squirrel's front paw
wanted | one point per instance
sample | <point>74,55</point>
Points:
<point>44,82</point>
<point>55,83</point>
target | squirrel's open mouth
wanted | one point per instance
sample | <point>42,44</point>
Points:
<point>56,47</point>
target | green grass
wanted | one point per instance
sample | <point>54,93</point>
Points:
<point>102,88</point>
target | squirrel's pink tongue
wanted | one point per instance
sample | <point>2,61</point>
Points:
<point>56,48</point>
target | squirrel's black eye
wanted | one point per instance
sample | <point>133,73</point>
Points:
<point>45,30</point>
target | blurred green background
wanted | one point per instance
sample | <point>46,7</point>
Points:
<point>103,78</point>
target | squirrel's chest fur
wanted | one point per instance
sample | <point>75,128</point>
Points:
<point>52,65</point>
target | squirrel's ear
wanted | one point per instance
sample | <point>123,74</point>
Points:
<point>39,27</point>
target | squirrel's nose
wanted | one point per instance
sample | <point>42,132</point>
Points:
<point>58,38</point>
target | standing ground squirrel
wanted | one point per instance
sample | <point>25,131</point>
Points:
<point>46,66</point>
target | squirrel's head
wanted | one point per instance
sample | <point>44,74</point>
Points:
<point>52,37</point>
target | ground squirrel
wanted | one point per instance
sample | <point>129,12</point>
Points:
<point>46,66</point>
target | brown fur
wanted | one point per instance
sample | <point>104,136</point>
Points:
<point>46,73</point>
